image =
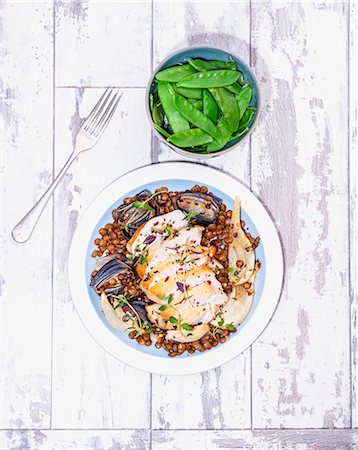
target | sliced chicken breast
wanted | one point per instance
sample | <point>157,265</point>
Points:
<point>155,229</point>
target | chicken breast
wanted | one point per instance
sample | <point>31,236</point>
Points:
<point>178,276</point>
<point>154,229</point>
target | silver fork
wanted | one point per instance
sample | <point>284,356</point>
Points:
<point>87,137</point>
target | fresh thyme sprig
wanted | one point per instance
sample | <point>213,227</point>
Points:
<point>191,215</point>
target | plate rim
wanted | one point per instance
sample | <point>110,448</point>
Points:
<point>207,360</point>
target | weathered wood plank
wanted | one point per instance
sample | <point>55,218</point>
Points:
<point>219,398</point>
<point>103,43</point>
<point>100,391</point>
<point>299,169</point>
<point>75,439</point>
<point>26,142</point>
<point>255,439</point>
<point>353,120</point>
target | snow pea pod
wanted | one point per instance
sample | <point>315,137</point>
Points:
<point>157,112</point>
<point>176,121</point>
<point>162,131</point>
<point>209,79</point>
<point>229,107</point>
<point>202,65</point>
<point>175,73</point>
<point>246,118</point>
<point>243,99</point>
<point>195,116</point>
<point>197,103</point>
<point>190,138</point>
<point>210,107</point>
<point>235,88</point>
<point>189,92</point>
<point>225,136</point>
<point>240,133</point>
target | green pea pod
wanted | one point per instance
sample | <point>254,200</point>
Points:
<point>202,65</point>
<point>189,92</point>
<point>190,138</point>
<point>210,107</point>
<point>240,133</point>
<point>209,79</point>
<point>229,107</point>
<point>156,110</point>
<point>197,103</point>
<point>166,96</point>
<point>195,116</point>
<point>225,135</point>
<point>162,131</point>
<point>175,73</point>
<point>243,99</point>
<point>235,88</point>
<point>246,118</point>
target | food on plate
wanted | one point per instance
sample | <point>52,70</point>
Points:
<point>176,269</point>
<point>202,105</point>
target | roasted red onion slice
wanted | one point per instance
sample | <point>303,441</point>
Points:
<point>111,270</point>
<point>131,217</point>
<point>206,207</point>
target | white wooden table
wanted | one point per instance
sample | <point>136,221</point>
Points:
<point>296,387</point>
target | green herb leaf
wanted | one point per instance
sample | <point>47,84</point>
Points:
<point>231,271</point>
<point>221,321</point>
<point>230,327</point>
<point>191,215</point>
<point>187,327</point>
<point>121,300</point>
<point>143,259</point>
<point>163,308</point>
<point>142,205</point>
<point>167,298</point>
<point>173,320</point>
<point>149,330</point>
<point>168,230</point>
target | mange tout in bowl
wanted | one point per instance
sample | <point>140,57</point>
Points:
<point>205,54</point>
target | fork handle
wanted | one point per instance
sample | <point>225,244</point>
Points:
<point>27,224</point>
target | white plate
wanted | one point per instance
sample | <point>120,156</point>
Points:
<point>178,176</point>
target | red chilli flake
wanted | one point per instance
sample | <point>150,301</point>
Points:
<point>209,282</point>
<point>166,279</point>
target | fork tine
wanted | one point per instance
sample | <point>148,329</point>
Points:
<point>106,115</point>
<point>109,117</point>
<point>97,111</point>
<point>105,112</point>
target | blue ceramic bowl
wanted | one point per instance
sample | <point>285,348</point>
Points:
<point>208,53</point>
